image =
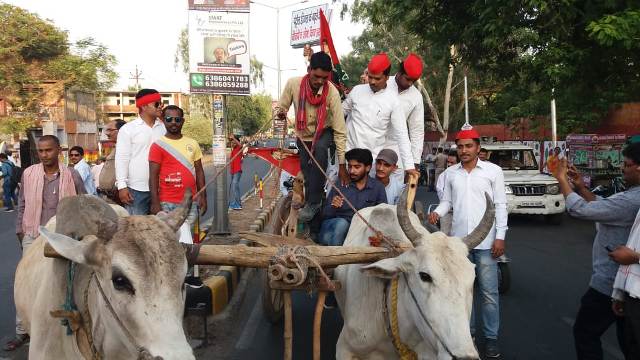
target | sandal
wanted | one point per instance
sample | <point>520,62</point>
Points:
<point>18,341</point>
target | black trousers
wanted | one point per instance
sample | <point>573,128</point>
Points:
<point>594,318</point>
<point>313,179</point>
<point>632,327</point>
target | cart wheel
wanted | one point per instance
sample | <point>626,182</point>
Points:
<point>272,302</point>
<point>504,278</point>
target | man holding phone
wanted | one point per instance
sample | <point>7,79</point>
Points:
<point>614,216</point>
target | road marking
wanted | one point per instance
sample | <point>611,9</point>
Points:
<point>248,333</point>
<point>607,347</point>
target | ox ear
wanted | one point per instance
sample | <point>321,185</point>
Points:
<point>388,268</point>
<point>87,252</point>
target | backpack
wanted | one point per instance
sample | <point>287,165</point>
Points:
<point>16,175</point>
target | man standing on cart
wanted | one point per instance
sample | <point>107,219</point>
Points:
<point>318,120</point>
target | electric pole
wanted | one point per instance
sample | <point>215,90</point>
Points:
<point>137,77</point>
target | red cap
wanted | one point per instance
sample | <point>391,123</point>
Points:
<point>467,132</point>
<point>413,66</point>
<point>378,63</point>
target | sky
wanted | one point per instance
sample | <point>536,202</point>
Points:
<point>145,33</point>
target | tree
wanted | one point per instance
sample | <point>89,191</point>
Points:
<point>33,49</point>
<point>248,113</point>
<point>522,50</point>
<point>198,127</point>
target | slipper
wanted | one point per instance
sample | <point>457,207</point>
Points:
<point>18,341</point>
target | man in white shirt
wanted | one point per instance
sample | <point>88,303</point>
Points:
<point>386,164</point>
<point>464,190</point>
<point>95,171</point>
<point>76,156</point>
<point>430,159</point>
<point>373,111</point>
<point>132,152</point>
<point>410,101</point>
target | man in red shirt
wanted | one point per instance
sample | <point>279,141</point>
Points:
<point>175,164</point>
<point>235,202</point>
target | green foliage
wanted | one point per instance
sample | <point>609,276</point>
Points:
<point>16,125</point>
<point>257,74</point>
<point>248,113</point>
<point>181,57</point>
<point>199,128</point>
<point>33,49</point>
<point>516,52</point>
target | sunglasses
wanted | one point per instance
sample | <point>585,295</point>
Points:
<point>157,104</point>
<point>170,119</point>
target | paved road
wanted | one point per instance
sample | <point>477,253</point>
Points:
<point>10,253</point>
<point>550,269</point>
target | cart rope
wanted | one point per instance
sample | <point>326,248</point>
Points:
<point>293,255</point>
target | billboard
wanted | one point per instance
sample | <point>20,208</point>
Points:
<point>305,26</point>
<point>219,5</point>
<point>219,52</point>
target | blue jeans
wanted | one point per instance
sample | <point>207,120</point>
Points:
<point>234,196</point>
<point>487,277</point>
<point>8,197</point>
<point>333,231</point>
<point>141,202</point>
<point>191,217</point>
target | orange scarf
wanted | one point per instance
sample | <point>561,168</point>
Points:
<point>33,186</point>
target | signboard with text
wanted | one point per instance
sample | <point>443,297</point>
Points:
<point>219,52</point>
<point>219,5</point>
<point>305,26</point>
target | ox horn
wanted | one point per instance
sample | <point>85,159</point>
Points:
<point>176,217</point>
<point>482,230</point>
<point>405,222</point>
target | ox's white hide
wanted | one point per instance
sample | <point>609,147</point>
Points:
<point>361,302</point>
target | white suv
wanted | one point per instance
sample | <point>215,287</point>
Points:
<point>528,190</point>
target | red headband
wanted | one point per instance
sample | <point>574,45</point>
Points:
<point>148,99</point>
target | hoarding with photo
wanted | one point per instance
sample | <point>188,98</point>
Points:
<point>219,5</point>
<point>219,52</point>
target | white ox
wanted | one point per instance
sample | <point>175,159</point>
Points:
<point>435,289</point>
<point>139,265</point>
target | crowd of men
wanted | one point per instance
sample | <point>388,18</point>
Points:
<point>376,133</point>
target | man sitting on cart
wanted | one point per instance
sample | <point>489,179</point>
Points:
<point>363,191</point>
<point>318,120</point>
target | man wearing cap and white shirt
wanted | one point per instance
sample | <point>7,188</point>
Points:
<point>373,110</point>
<point>411,103</point>
<point>386,165</point>
<point>132,152</point>
<point>465,186</point>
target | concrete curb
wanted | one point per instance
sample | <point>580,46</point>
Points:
<point>232,280</point>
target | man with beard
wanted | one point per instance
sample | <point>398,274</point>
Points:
<point>386,165</point>
<point>132,152</point>
<point>175,165</point>
<point>363,191</point>
<point>465,187</point>
<point>410,100</point>
<point>615,216</point>
<point>373,111</point>
<point>318,121</point>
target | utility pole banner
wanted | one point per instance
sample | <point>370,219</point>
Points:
<point>219,60</point>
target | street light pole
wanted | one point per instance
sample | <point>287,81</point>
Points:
<point>277,9</point>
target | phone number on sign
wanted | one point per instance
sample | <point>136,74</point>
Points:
<point>226,84</point>
<point>226,78</point>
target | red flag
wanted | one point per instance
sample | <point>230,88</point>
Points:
<point>325,36</point>
<point>290,162</point>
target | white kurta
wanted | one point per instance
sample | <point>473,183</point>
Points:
<point>413,108</point>
<point>370,116</point>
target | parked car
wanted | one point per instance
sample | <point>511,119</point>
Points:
<point>529,191</point>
